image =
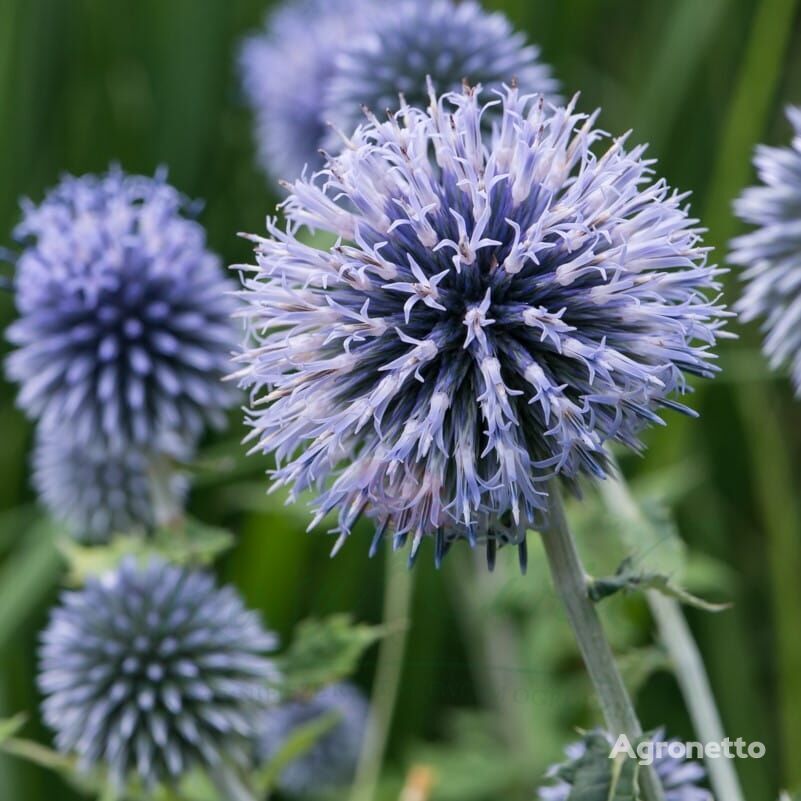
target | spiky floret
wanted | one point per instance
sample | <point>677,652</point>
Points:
<point>152,670</point>
<point>284,70</point>
<point>97,492</point>
<point>409,40</point>
<point>680,778</point>
<point>331,761</point>
<point>124,329</point>
<point>771,253</point>
<point>490,316</point>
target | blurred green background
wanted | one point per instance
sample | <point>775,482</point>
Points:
<point>151,82</point>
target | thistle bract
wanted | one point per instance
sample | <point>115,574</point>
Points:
<point>771,253</point>
<point>153,670</point>
<point>123,331</point>
<point>409,40</point>
<point>680,778</point>
<point>491,315</point>
<point>331,760</point>
<point>284,71</point>
<point>97,492</point>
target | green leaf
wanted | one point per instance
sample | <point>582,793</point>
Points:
<point>296,745</point>
<point>10,726</point>
<point>191,542</point>
<point>39,754</point>
<point>629,579</point>
<point>194,786</point>
<point>325,651</point>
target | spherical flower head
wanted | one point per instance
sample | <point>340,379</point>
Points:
<point>284,71</point>
<point>331,761</point>
<point>97,493</point>
<point>492,315</point>
<point>124,329</point>
<point>771,253</point>
<point>409,40</point>
<point>152,670</point>
<point>680,778</point>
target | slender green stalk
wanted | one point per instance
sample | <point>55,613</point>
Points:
<point>570,580</point>
<point>684,654</point>
<point>761,71</point>
<point>777,495</point>
<point>230,786</point>
<point>397,609</point>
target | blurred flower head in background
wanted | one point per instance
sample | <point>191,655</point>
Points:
<point>284,72</point>
<point>97,493</point>
<point>318,63</point>
<point>680,778</point>
<point>410,40</point>
<point>490,316</point>
<point>124,327</point>
<point>153,670</point>
<point>331,761</point>
<point>771,254</point>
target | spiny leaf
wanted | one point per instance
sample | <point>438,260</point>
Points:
<point>629,579</point>
<point>325,651</point>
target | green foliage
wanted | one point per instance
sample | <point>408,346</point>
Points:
<point>475,763</point>
<point>323,652</point>
<point>629,578</point>
<point>189,542</point>
<point>302,740</point>
<point>27,576</point>
<point>10,726</point>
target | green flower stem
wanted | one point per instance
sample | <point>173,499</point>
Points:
<point>570,580</point>
<point>230,786</point>
<point>397,610</point>
<point>684,654</point>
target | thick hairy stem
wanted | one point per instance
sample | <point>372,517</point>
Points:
<point>570,581</point>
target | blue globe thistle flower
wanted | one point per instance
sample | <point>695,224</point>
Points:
<point>680,778</point>
<point>771,254</point>
<point>411,39</point>
<point>331,761</point>
<point>152,670</point>
<point>124,331</point>
<point>97,493</point>
<point>491,315</point>
<point>284,71</point>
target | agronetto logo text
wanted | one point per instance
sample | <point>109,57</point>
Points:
<point>647,752</point>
